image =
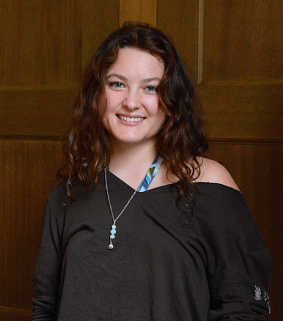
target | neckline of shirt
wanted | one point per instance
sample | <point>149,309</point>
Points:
<point>168,187</point>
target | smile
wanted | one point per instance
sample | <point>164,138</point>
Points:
<point>130,119</point>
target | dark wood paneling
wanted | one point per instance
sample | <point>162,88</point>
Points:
<point>243,39</point>
<point>28,171</point>
<point>40,41</point>
<point>99,19</point>
<point>242,85</point>
<point>44,47</point>
<point>180,20</point>
<point>238,109</point>
<point>8,314</point>
<point>36,111</point>
<point>43,59</point>
<point>137,10</point>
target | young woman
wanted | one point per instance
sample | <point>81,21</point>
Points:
<point>143,226</point>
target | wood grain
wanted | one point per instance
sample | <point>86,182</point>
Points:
<point>44,47</point>
<point>12,314</point>
<point>36,111</point>
<point>238,109</point>
<point>40,42</point>
<point>99,19</point>
<point>27,171</point>
<point>243,39</point>
<point>138,10</point>
<point>180,20</point>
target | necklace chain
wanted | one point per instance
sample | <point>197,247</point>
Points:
<point>113,230</point>
<point>108,197</point>
<point>142,187</point>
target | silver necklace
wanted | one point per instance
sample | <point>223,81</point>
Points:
<point>113,227</point>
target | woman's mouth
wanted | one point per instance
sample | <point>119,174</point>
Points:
<point>130,119</point>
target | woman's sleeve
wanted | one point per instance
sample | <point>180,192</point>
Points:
<point>239,277</point>
<point>48,268</point>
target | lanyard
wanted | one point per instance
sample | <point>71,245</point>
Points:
<point>152,171</point>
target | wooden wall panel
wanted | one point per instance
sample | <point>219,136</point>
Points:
<point>35,111</point>
<point>47,46</point>
<point>247,110</point>
<point>137,10</point>
<point>181,20</point>
<point>240,80</point>
<point>28,171</point>
<point>40,42</point>
<point>242,83</point>
<point>99,19</point>
<point>243,39</point>
<point>44,47</point>
<point>8,314</point>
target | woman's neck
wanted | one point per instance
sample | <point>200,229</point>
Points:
<point>130,163</point>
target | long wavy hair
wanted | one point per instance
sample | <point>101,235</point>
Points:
<point>181,139</point>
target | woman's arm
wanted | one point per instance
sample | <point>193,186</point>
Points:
<point>48,268</point>
<point>240,278</point>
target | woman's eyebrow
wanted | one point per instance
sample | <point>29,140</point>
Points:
<point>150,79</point>
<point>146,80</point>
<point>116,75</point>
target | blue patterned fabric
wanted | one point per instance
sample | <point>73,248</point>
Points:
<point>152,171</point>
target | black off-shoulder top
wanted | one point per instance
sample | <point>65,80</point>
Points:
<point>214,267</point>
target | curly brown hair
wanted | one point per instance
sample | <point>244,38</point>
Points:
<point>183,136</point>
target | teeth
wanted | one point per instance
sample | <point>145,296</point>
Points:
<point>132,119</point>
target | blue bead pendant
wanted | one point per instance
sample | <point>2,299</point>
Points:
<point>112,236</point>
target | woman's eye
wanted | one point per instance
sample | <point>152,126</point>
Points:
<point>116,84</point>
<point>152,89</point>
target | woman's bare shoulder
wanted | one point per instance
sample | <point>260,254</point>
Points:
<point>213,172</point>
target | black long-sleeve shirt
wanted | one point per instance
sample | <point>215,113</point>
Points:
<point>215,267</point>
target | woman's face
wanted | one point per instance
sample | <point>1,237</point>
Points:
<point>132,114</point>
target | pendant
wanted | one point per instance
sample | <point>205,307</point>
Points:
<point>112,236</point>
<point>113,232</point>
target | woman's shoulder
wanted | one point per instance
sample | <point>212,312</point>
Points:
<point>222,207</point>
<point>65,194</point>
<point>219,195</point>
<point>59,195</point>
<point>211,171</point>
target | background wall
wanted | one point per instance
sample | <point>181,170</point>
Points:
<point>234,50</point>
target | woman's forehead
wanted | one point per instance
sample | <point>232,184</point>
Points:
<point>132,61</point>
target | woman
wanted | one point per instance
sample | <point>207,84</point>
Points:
<point>143,226</point>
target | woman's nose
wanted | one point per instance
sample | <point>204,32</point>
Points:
<point>132,100</point>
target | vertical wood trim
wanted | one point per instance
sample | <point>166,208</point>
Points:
<point>138,10</point>
<point>200,40</point>
<point>179,19</point>
<point>99,19</point>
